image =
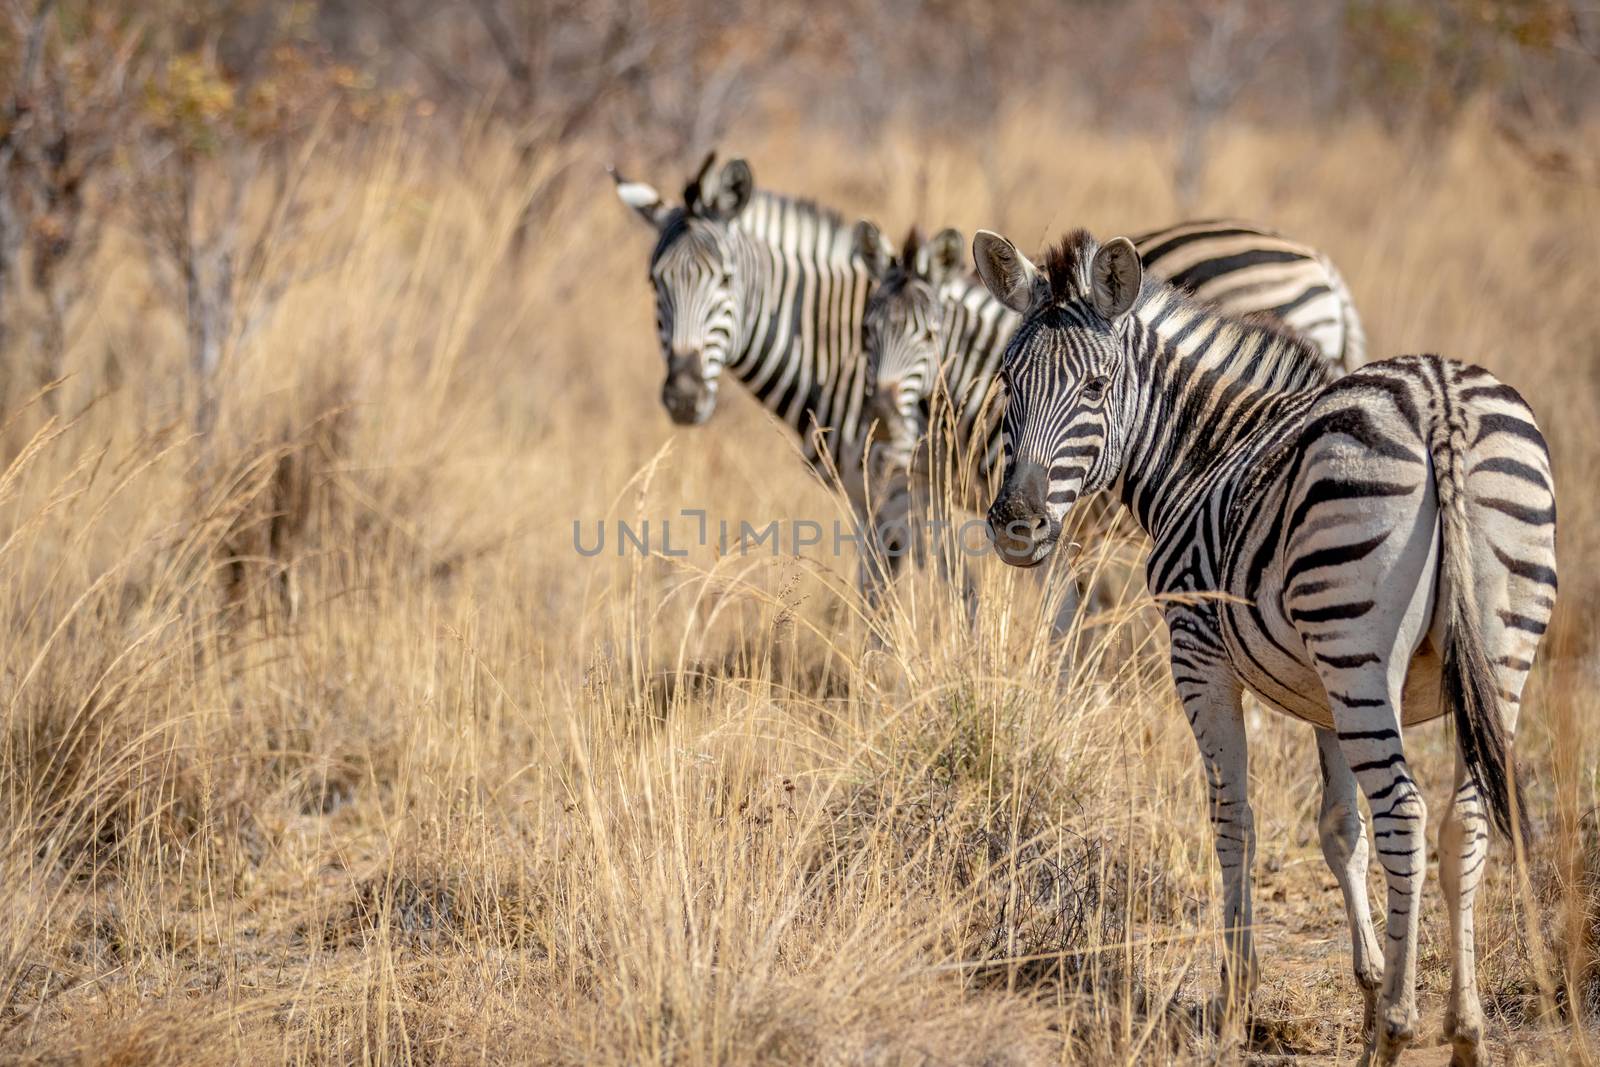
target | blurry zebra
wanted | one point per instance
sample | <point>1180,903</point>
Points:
<point>770,289</point>
<point>1362,554</point>
<point>932,327</point>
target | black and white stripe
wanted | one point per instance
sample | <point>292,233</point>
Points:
<point>1363,554</point>
<point>932,327</point>
<point>771,289</point>
<point>1240,268</point>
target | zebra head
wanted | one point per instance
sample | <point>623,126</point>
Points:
<point>696,272</point>
<point>1066,382</point>
<point>901,329</point>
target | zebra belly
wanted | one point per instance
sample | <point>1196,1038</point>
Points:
<point>1291,685</point>
<point>1422,699</point>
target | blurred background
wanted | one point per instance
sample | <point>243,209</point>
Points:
<point>320,324</point>
<point>108,106</point>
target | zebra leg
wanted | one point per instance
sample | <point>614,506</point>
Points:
<point>1362,609</point>
<point>1463,847</point>
<point>949,557</point>
<point>1366,712</point>
<point>1464,831</point>
<point>888,538</point>
<point>1067,609</point>
<point>1344,846</point>
<point>1211,701</point>
<point>1513,616</point>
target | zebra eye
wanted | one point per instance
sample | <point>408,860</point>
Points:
<point>1095,388</point>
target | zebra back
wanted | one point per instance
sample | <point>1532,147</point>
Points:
<point>1237,268</point>
<point>1240,269</point>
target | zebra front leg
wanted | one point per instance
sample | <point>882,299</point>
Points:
<point>1063,594</point>
<point>950,559</point>
<point>884,543</point>
<point>1211,701</point>
<point>1463,847</point>
<point>1344,846</point>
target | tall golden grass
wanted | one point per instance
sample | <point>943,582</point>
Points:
<point>323,744</point>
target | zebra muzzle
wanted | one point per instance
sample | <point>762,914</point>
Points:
<point>1019,520</point>
<point>688,398</point>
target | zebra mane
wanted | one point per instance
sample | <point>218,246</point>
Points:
<point>1066,264</point>
<point>677,223</point>
<point>1288,361</point>
<point>804,205</point>
<point>903,265</point>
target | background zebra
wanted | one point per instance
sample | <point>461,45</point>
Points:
<point>1384,540</point>
<point>770,288</point>
<point>931,325</point>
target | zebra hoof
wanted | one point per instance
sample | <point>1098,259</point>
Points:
<point>1223,1010</point>
<point>1394,1033</point>
<point>1466,1039</point>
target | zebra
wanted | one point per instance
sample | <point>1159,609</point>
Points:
<point>931,326</point>
<point>1363,554</point>
<point>770,289</point>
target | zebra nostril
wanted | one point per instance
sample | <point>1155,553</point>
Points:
<point>1019,520</point>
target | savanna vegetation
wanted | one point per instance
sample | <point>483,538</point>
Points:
<point>320,327</point>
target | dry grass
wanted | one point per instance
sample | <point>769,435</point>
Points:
<point>322,744</point>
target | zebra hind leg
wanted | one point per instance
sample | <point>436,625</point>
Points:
<point>1463,848</point>
<point>1362,606</point>
<point>1512,632</point>
<point>1344,846</point>
<point>1366,713</point>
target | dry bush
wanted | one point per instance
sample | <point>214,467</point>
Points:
<point>323,744</point>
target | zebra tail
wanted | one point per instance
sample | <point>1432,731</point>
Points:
<point>1354,352</point>
<point>1468,683</point>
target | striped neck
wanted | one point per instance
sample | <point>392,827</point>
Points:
<point>804,292</point>
<point>976,328</point>
<point>1206,392</point>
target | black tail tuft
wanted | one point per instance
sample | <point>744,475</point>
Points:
<point>1469,690</point>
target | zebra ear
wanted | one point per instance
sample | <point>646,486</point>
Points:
<point>644,199</point>
<point>1115,278</point>
<point>873,249</point>
<point>1013,280</point>
<point>731,193</point>
<point>943,257</point>
<point>701,187</point>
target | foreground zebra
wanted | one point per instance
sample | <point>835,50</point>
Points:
<point>1385,545</point>
<point>931,326</point>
